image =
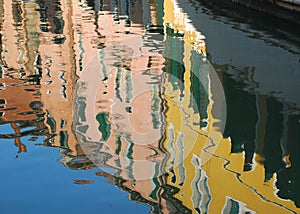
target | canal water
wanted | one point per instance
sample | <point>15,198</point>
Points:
<point>147,106</point>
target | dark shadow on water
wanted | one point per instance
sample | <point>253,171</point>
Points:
<point>259,124</point>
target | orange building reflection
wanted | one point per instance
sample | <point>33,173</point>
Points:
<point>21,103</point>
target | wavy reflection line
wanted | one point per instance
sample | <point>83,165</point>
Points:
<point>129,151</point>
<point>202,197</point>
<point>118,84</point>
<point>181,168</point>
<point>171,148</point>
<point>155,182</point>
<point>155,107</point>
<point>102,62</point>
<point>128,86</point>
<point>238,175</point>
<point>236,206</point>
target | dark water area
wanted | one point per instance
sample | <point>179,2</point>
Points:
<point>147,107</point>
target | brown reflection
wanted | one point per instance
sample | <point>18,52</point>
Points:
<point>58,77</point>
<point>83,182</point>
<point>18,143</point>
<point>37,73</point>
<point>21,104</point>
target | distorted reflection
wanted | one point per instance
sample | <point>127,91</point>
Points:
<point>268,137</point>
<point>126,88</point>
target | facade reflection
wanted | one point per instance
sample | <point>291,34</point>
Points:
<point>48,65</point>
<point>264,140</point>
<point>21,103</point>
<point>242,135</point>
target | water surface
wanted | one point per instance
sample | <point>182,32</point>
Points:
<point>146,106</point>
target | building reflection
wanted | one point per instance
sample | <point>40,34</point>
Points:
<point>21,103</point>
<point>257,153</point>
<point>46,46</point>
<point>58,73</point>
<point>265,138</point>
<point>134,90</point>
<point>127,104</point>
<point>242,135</point>
<point>288,178</point>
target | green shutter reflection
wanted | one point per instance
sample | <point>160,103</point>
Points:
<point>119,143</point>
<point>153,194</point>
<point>63,138</point>
<point>104,126</point>
<point>51,122</point>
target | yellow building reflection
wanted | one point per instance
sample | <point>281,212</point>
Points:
<point>221,182</point>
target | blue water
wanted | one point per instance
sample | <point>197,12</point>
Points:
<point>36,182</point>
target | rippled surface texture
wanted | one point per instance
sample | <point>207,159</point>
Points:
<point>147,106</point>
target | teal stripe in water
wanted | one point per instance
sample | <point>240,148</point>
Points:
<point>118,163</point>
<point>83,129</point>
<point>105,126</point>
<point>155,108</point>
<point>82,51</point>
<point>129,169</point>
<point>1,70</point>
<point>174,50</point>
<point>103,64</point>
<point>130,159</point>
<point>81,101</point>
<point>172,155</point>
<point>160,12</point>
<point>51,122</point>
<point>201,196</point>
<point>129,87</point>
<point>154,192</point>
<point>119,144</point>
<point>130,150</point>
<point>63,139</point>
<point>234,208</point>
<point>199,100</point>
<point>118,83</point>
<point>170,144</point>
<point>181,168</point>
